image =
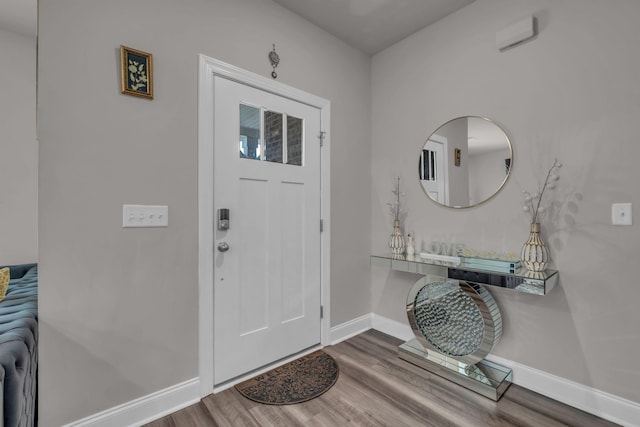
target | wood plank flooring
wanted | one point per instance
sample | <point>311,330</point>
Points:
<point>376,388</point>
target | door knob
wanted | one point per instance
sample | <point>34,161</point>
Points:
<point>223,246</point>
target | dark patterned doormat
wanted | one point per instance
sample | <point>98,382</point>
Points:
<point>298,381</point>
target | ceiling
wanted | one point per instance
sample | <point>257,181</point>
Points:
<point>372,25</point>
<point>485,136</point>
<point>368,25</point>
<point>19,16</point>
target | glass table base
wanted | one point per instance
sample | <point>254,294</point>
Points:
<point>485,378</point>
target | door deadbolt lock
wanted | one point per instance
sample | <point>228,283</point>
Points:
<point>223,219</point>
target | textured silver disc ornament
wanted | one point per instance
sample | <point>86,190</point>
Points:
<point>454,318</point>
<point>274,58</point>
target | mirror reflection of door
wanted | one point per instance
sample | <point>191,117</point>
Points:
<point>433,169</point>
<point>472,160</point>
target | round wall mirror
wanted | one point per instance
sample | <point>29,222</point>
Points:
<point>465,162</point>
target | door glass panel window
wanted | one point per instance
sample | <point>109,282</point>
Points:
<point>250,147</point>
<point>294,141</point>
<point>428,170</point>
<point>270,136</point>
<point>273,137</point>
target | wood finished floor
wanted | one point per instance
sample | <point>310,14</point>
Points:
<point>375,388</point>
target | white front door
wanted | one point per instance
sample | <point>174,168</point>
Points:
<point>267,174</point>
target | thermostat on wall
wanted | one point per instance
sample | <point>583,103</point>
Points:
<point>516,33</point>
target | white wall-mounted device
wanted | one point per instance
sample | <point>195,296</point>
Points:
<point>621,214</point>
<point>516,33</point>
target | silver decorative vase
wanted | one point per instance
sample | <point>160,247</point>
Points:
<point>534,252</point>
<point>396,241</point>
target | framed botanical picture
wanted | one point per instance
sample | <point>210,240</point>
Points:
<point>136,72</point>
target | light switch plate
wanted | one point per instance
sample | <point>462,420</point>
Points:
<point>621,214</point>
<point>145,216</point>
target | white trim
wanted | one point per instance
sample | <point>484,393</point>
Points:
<point>205,227</point>
<point>208,69</point>
<point>392,327</point>
<point>604,405</point>
<point>325,215</point>
<point>588,399</point>
<point>147,408</point>
<point>349,329</point>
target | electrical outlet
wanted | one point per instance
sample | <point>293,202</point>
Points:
<point>621,214</point>
<point>145,216</point>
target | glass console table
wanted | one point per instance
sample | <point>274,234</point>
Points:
<point>523,280</point>
<point>456,321</point>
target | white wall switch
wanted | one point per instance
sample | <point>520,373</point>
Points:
<point>145,216</point>
<point>621,214</point>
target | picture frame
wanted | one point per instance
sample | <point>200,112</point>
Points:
<point>457,155</point>
<point>136,72</point>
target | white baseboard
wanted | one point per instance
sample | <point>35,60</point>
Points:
<point>604,405</point>
<point>147,408</point>
<point>392,327</point>
<point>350,329</point>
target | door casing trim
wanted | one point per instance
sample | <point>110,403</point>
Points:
<point>208,69</point>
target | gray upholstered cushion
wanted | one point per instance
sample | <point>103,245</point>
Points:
<point>18,347</point>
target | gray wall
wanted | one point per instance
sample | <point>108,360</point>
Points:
<point>118,307</point>
<point>458,176</point>
<point>18,149</point>
<point>487,172</point>
<point>570,93</point>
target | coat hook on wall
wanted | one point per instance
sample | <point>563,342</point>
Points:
<point>275,60</point>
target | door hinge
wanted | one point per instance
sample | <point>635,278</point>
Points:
<point>322,312</point>
<point>321,225</point>
<point>321,137</point>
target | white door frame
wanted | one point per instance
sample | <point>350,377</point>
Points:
<point>209,68</point>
